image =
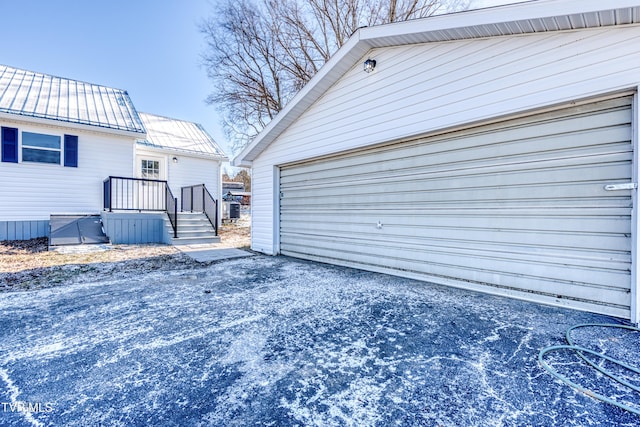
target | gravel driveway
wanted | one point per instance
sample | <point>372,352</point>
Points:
<point>273,341</point>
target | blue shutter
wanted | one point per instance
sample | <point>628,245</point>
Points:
<point>10,145</point>
<point>71,151</point>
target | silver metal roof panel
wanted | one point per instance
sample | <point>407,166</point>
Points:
<point>31,94</point>
<point>179,135</point>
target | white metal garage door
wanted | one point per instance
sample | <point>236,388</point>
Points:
<point>517,208</point>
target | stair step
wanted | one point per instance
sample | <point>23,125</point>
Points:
<point>194,224</point>
<point>196,232</point>
<point>194,240</point>
<point>198,225</point>
<point>193,228</point>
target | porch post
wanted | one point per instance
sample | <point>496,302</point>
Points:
<point>110,194</point>
<point>175,213</point>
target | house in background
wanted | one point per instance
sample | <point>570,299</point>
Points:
<point>72,149</point>
<point>238,192</point>
<point>494,150</point>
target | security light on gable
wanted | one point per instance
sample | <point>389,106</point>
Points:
<point>369,65</point>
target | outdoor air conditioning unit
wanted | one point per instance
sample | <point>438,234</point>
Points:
<point>230,211</point>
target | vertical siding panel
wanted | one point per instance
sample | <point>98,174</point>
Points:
<point>23,230</point>
<point>139,231</point>
<point>262,210</point>
<point>120,233</point>
<point>19,231</point>
<point>133,228</point>
<point>11,232</point>
<point>145,227</point>
<point>150,232</point>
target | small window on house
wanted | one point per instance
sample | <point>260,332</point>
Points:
<point>150,169</point>
<point>40,148</point>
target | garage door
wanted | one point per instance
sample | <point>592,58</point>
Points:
<point>517,208</point>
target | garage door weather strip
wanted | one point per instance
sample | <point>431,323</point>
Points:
<point>580,351</point>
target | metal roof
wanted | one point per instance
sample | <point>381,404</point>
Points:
<point>180,135</point>
<point>521,18</point>
<point>31,94</point>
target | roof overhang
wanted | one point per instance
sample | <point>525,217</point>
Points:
<point>515,19</point>
<point>176,151</point>
<point>20,118</point>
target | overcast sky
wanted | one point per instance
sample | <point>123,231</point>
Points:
<point>151,48</point>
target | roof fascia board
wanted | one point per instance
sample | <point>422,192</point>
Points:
<point>18,118</point>
<point>384,35</point>
<point>186,153</point>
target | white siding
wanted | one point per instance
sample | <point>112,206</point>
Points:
<point>188,170</point>
<point>430,87</point>
<point>263,181</point>
<point>193,171</point>
<point>33,191</point>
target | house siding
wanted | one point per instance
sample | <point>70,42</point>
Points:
<point>426,88</point>
<point>263,192</point>
<point>193,171</point>
<point>33,191</point>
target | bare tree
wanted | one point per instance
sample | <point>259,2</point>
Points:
<point>244,177</point>
<point>260,53</point>
<point>242,59</point>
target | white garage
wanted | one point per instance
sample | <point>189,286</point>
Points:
<point>520,205</point>
<point>494,150</point>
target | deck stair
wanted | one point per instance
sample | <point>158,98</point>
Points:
<point>194,228</point>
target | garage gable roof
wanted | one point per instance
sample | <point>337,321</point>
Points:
<point>522,18</point>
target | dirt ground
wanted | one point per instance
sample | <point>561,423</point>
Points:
<point>30,264</point>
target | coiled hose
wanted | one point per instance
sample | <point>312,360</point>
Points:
<point>581,351</point>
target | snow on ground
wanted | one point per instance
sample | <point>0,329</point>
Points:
<point>274,341</point>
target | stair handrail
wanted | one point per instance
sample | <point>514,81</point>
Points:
<point>209,204</point>
<point>172,210</point>
<point>208,197</point>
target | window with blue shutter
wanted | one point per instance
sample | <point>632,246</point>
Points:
<point>10,145</point>
<point>71,151</point>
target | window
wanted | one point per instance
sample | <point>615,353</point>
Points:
<point>9,145</point>
<point>150,169</point>
<point>40,148</point>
